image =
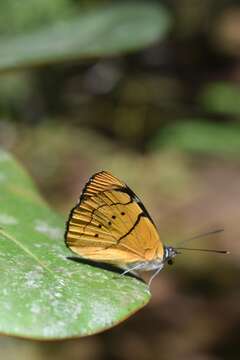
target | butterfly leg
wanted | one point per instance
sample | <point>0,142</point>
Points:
<point>131,269</point>
<point>154,275</point>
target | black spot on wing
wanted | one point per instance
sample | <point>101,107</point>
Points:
<point>135,198</point>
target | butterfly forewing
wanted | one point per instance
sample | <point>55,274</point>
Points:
<point>111,224</point>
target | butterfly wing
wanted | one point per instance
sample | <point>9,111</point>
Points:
<point>110,224</point>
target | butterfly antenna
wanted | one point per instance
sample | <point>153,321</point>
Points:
<point>205,250</point>
<point>200,236</point>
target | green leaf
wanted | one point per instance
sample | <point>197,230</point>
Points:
<point>28,15</point>
<point>43,294</point>
<point>222,98</point>
<point>104,31</point>
<point>200,136</point>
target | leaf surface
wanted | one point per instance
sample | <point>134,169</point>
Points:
<point>103,31</point>
<point>43,294</point>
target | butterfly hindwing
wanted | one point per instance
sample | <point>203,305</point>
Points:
<point>111,224</point>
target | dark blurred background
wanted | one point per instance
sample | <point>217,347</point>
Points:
<point>164,116</point>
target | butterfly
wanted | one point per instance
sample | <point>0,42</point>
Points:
<point>110,224</point>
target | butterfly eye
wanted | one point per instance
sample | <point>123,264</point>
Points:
<point>100,226</point>
<point>96,235</point>
<point>109,223</point>
<point>113,217</point>
<point>170,262</point>
<point>122,213</point>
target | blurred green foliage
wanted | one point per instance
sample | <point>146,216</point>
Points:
<point>102,31</point>
<point>198,136</point>
<point>222,98</point>
<point>27,15</point>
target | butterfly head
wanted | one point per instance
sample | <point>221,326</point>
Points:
<point>169,254</point>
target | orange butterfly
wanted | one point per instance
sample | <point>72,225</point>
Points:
<point>110,224</point>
